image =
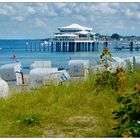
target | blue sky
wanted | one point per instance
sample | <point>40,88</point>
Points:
<point>41,20</point>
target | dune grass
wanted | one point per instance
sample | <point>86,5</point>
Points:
<point>79,109</point>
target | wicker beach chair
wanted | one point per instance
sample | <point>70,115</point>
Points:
<point>79,69</point>
<point>41,64</point>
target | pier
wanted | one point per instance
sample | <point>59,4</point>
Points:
<point>62,46</point>
<point>73,45</point>
<point>130,46</point>
<point>71,38</point>
<point>77,38</point>
<point>36,45</point>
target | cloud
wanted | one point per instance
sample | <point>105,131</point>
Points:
<point>59,5</point>
<point>7,10</point>
<point>65,11</point>
<point>19,18</point>
<point>104,17</point>
<point>79,17</point>
<point>40,23</point>
<point>31,10</point>
<point>132,14</point>
<point>47,10</point>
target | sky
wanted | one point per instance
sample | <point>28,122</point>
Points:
<point>41,20</point>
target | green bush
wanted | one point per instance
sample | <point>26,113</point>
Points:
<point>115,81</point>
<point>107,79</point>
<point>128,115</point>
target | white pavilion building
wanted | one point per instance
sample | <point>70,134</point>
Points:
<point>73,38</point>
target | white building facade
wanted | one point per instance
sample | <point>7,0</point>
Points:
<point>73,38</point>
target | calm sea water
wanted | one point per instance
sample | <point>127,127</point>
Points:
<point>59,59</point>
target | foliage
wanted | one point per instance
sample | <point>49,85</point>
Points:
<point>115,80</point>
<point>128,115</point>
<point>105,57</point>
<point>115,36</point>
<point>107,79</point>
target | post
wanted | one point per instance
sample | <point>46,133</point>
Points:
<point>131,46</point>
<point>31,46</point>
<point>66,46</point>
<point>44,47</point>
<point>106,43</point>
<point>88,46</point>
<point>35,46</point>
<point>48,46</point>
<point>97,46</point>
<point>93,46</point>
<point>52,46</point>
<point>27,46</point>
<point>39,46</point>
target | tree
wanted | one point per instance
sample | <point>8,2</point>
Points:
<point>115,36</point>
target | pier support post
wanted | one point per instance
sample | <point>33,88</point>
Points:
<point>31,46</point>
<point>52,46</point>
<point>48,47</point>
<point>63,47</point>
<point>56,46</point>
<point>74,46</point>
<point>83,46</point>
<point>131,46</point>
<point>66,46</point>
<point>40,46</point>
<point>86,46</point>
<point>97,46</point>
<point>93,45</point>
<point>35,46</point>
<point>26,46</point>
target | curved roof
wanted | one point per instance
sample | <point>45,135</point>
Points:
<point>75,26</point>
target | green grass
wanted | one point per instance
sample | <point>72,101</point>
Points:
<point>79,109</point>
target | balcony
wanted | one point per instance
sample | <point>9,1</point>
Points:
<point>70,39</point>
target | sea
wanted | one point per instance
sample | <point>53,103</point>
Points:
<point>58,59</point>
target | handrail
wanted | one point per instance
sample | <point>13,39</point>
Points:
<point>75,39</point>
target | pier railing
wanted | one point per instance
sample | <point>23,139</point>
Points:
<point>71,39</point>
<point>89,39</point>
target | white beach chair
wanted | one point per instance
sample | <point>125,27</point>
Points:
<point>113,64</point>
<point>4,88</point>
<point>78,69</point>
<point>22,82</point>
<point>19,78</point>
<point>56,78</point>
<point>41,64</point>
<point>133,63</point>
<point>37,76</point>
<point>136,63</point>
<point>7,71</point>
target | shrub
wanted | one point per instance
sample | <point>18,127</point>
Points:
<point>112,80</point>
<point>128,115</point>
<point>107,79</point>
